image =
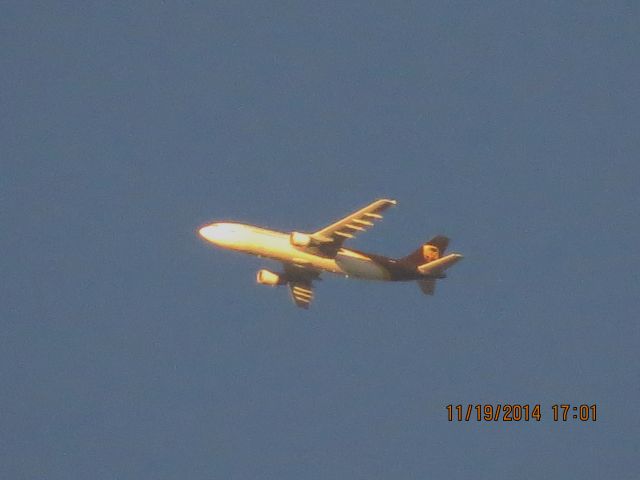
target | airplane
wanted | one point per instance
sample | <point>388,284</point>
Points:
<point>306,255</point>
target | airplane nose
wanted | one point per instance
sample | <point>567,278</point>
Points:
<point>208,232</point>
<point>221,234</point>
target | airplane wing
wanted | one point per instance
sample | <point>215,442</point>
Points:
<point>348,227</point>
<point>300,281</point>
<point>301,293</point>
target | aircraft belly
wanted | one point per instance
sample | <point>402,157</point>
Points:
<point>361,268</point>
<point>279,248</point>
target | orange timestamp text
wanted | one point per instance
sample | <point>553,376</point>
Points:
<point>516,412</point>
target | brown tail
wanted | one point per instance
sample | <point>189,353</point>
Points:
<point>430,251</point>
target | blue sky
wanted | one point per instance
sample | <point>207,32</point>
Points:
<point>130,349</point>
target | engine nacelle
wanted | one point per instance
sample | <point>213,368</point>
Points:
<point>298,239</point>
<point>267,277</point>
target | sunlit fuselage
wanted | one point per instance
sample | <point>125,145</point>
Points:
<point>277,246</point>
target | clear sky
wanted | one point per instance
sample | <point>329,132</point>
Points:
<point>132,350</point>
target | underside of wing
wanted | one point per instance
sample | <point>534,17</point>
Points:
<point>301,293</point>
<point>334,235</point>
<point>300,281</point>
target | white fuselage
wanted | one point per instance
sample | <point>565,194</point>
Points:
<point>277,246</point>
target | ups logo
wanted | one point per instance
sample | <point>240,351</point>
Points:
<point>430,253</point>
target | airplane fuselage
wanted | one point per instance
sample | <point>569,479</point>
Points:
<point>276,245</point>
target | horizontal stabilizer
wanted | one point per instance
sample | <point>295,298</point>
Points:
<point>437,267</point>
<point>428,286</point>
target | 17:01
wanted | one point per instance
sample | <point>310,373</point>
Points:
<point>583,412</point>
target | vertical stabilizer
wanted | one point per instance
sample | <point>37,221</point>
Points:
<point>430,251</point>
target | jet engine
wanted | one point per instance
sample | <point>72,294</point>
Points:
<point>267,277</point>
<point>298,239</point>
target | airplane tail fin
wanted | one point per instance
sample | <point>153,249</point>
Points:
<point>430,251</point>
<point>431,262</point>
